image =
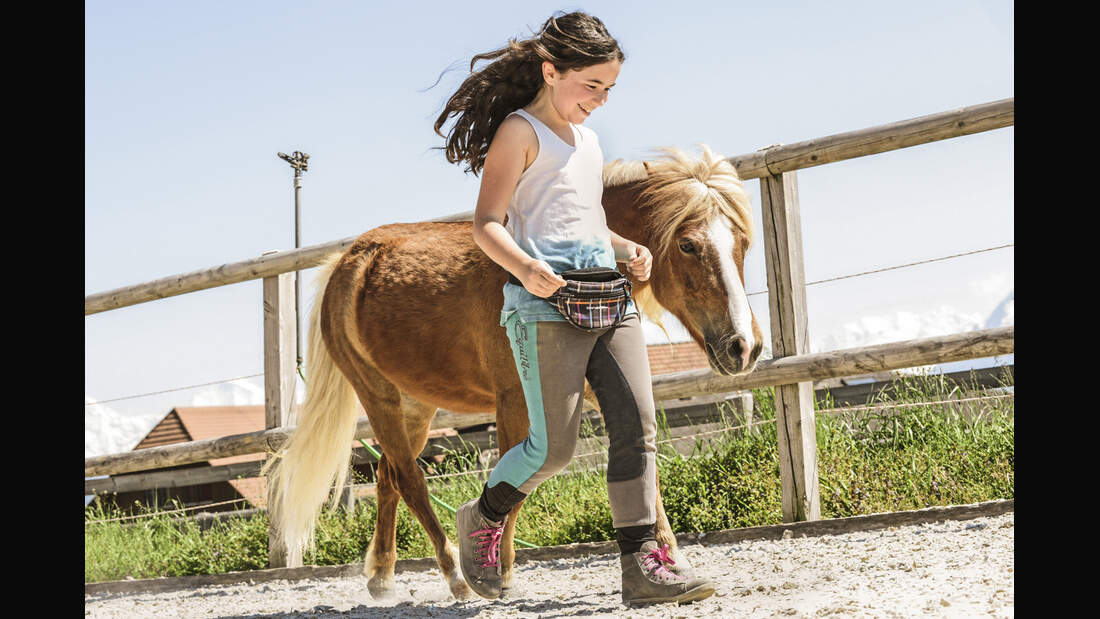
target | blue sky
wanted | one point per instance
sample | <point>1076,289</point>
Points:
<point>187,104</point>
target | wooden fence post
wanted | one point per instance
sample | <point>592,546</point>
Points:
<point>279,380</point>
<point>794,404</point>
<point>347,495</point>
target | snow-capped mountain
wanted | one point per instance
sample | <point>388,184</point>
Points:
<point>242,392</point>
<point>901,325</point>
<point>108,431</point>
<point>1004,314</point>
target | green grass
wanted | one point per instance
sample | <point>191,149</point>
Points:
<point>868,462</point>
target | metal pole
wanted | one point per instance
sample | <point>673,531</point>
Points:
<point>298,274</point>
<point>300,162</point>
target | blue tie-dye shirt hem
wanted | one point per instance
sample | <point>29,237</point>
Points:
<point>561,256</point>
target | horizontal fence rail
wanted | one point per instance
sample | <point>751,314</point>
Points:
<point>770,161</point>
<point>875,140</point>
<point>787,370</point>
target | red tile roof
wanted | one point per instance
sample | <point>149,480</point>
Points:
<point>207,422</point>
<point>169,430</point>
<point>677,357</point>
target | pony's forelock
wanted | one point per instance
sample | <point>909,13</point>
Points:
<point>681,189</point>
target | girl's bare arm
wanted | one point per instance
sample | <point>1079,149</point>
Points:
<point>504,163</point>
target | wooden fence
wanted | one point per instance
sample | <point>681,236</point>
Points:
<point>690,416</point>
<point>791,370</point>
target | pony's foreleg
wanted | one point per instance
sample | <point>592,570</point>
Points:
<point>664,530</point>
<point>508,549</point>
<point>665,535</point>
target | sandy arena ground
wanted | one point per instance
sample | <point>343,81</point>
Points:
<point>946,569</point>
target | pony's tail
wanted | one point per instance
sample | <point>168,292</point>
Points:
<point>317,454</point>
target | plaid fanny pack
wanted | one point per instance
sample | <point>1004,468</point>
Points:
<point>591,299</point>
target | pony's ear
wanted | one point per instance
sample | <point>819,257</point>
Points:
<point>648,172</point>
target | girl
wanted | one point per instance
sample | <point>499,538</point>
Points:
<point>520,125</point>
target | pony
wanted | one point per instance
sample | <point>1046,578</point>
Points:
<point>406,321</point>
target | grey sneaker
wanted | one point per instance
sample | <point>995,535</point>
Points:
<point>648,580</point>
<point>479,550</point>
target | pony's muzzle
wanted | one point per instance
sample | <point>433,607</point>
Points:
<point>731,355</point>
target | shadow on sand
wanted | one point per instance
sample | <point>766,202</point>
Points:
<point>543,608</point>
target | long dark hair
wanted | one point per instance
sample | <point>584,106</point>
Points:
<point>570,41</point>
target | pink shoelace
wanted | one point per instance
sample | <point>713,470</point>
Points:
<point>655,562</point>
<point>488,543</point>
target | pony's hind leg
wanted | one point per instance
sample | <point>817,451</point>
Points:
<point>381,554</point>
<point>400,482</point>
<point>414,490</point>
<point>383,401</point>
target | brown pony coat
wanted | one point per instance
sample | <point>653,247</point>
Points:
<point>410,315</point>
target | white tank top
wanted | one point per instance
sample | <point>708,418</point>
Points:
<point>556,212</point>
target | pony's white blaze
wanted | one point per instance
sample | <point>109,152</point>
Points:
<point>720,233</point>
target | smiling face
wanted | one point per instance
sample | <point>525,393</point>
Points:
<point>575,94</point>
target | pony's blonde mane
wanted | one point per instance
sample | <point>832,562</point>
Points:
<point>682,190</point>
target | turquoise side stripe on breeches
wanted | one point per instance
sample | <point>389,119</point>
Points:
<point>525,459</point>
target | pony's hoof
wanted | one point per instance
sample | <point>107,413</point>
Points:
<point>459,588</point>
<point>381,588</point>
<point>506,580</point>
<point>682,566</point>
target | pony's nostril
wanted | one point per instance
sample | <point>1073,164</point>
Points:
<point>736,349</point>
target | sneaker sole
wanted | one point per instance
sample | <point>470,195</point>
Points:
<point>484,596</point>
<point>692,595</point>
<point>479,590</point>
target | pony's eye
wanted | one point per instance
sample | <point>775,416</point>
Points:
<point>687,246</point>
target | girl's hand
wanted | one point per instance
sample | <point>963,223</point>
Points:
<point>639,261</point>
<point>540,280</point>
